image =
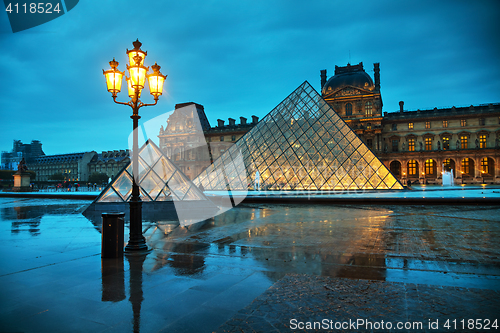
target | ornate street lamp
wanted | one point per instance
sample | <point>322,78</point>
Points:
<point>136,82</point>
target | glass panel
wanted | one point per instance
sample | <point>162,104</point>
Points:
<point>164,169</point>
<point>152,184</point>
<point>143,169</point>
<point>149,154</point>
<point>110,196</point>
<point>144,196</point>
<point>194,194</point>
<point>164,196</point>
<point>123,185</point>
<point>178,185</point>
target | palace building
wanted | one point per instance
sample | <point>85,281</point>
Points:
<point>417,145</point>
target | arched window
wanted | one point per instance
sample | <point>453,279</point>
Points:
<point>348,109</point>
<point>395,168</point>
<point>368,108</point>
<point>430,167</point>
<point>412,168</point>
<point>485,168</point>
<point>468,167</point>
<point>449,164</point>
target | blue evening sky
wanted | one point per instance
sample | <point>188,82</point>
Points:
<point>237,58</point>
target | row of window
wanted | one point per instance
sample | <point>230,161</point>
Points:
<point>445,145</point>
<point>463,123</point>
<point>487,167</point>
<point>368,109</point>
<point>222,138</point>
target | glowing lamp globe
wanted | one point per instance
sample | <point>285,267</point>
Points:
<point>113,78</point>
<point>137,73</point>
<point>156,80</point>
<point>131,90</point>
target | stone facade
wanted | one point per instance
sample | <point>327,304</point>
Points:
<point>418,145</point>
<point>109,162</point>
<point>74,167</point>
<point>193,145</point>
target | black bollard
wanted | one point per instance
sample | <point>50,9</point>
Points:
<point>112,235</point>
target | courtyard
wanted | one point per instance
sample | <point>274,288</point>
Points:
<point>259,267</point>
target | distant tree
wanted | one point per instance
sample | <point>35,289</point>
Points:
<point>98,178</point>
<point>57,177</point>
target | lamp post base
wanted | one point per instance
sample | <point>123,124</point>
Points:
<point>137,242</point>
<point>137,247</point>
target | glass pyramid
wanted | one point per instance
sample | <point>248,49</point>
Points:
<point>302,144</point>
<point>159,180</point>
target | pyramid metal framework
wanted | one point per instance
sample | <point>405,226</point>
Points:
<point>302,144</point>
<point>159,180</point>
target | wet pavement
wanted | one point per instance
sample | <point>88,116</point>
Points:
<point>200,277</point>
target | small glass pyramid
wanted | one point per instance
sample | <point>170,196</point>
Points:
<point>302,144</point>
<point>159,180</point>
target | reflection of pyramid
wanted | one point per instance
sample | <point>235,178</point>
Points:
<point>301,145</point>
<point>159,180</point>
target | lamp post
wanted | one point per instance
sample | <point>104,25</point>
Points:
<point>135,84</point>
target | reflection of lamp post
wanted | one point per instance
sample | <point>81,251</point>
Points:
<point>135,84</point>
<point>482,175</point>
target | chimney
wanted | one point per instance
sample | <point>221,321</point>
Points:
<point>232,122</point>
<point>376,69</point>
<point>220,123</point>
<point>243,120</point>
<point>323,77</point>
<point>255,119</point>
<point>401,104</point>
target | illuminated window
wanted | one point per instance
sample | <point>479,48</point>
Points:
<point>412,168</point>
<point>466,165</point>
<point>445,123</point>
<point>485,168</point>
<point>369,126</point>
<point>446,143</point>
<point>368,108</point>
<point>463,141</point>
<point>448,164</point>
<point>429,167</point>
<point>411,144</point>
<point>463,122</point>
<point>348,109</point>
<point>410,126</point>
<point>482,141</point>
<point>427,124</point>
<point>428,143</point>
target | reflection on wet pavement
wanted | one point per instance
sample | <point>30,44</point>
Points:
<point>210,270</point>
